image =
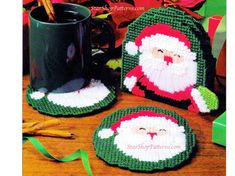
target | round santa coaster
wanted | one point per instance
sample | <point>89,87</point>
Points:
<point>94,97</point>
<point>144,139</point>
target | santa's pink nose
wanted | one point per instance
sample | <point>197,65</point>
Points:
<point>152,134</point>
<point>168,59</point>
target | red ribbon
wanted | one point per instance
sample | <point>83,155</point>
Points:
<point>173,3</point>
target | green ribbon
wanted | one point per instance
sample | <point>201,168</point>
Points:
<point>76,155</point>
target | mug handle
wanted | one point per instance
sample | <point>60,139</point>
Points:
<point>101,59</point>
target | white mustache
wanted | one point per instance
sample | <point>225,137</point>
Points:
<point>172,77</point>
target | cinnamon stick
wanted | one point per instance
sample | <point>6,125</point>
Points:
<point>49,10</point>
<point>41,125</point>
<point>52,133</point>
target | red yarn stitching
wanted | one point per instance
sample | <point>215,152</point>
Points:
<point>139,74</point>
<point>141,113</point>
<point>178,96</point>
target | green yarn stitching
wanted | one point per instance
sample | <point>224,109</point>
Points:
<point>179,20</point>
<point>45,106</point>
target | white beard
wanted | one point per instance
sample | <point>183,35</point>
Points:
<point>142,147</point>
<point>170,78</point>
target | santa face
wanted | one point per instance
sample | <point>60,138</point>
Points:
<point>150,138</point>
<point>166,59</point>
<point>170,70</point>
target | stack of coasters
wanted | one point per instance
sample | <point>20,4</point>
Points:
<point>219,130</point>
<point>95,97</point>
<point>167,57</point>
<point>144,139</point>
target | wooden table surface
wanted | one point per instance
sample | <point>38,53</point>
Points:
<point>208,160</point>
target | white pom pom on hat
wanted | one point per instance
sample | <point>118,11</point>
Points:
<point>131,48</point>
<point>105,133</point>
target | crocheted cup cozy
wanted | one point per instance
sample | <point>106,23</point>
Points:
<point>90,99</point>
<point>167,57</point>
<point>144,139</point>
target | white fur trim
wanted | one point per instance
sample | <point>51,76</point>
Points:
<point>199,100</point>
<point>166,42</point>
<point>130,82</point>
<point>84,97</point>
<point>131,48</point>
<point>70,86</point>
<point>105,133</point>
<point>37,95</point>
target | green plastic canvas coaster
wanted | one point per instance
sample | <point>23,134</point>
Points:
<point>95,97</point>
<point>144,139</point>
<point>166,56</point>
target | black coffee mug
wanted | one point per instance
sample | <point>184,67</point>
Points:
<point>61,51</point>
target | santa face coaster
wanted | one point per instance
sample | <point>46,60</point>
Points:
<point>94,97</point>
<point>167,57</point>
<point>144,139</point>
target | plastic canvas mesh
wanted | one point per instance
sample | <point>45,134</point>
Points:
<point>43,105</point>
<point>178,19</point>
<point>107,150</point>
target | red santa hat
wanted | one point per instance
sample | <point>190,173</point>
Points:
<point>107,132</point>
<point>163,37</point>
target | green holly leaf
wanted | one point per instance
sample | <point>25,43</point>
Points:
<point>102,16</point>
<point>114,63</point>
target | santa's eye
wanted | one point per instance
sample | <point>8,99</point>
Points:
<point>159,50</point>
<point>177,55</point>
<point>178,58</point>
<point>142,129</point>
<point>162,130</point>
